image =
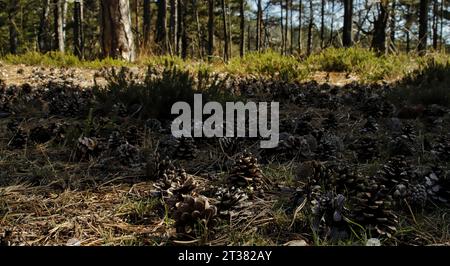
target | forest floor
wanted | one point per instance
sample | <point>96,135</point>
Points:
<point>352,165</point>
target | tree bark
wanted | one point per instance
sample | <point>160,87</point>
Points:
<point>258,25</point>
<point>283,40</point>
<point>322,23</point>
<point>78,32</point>
<point>211,24</point>
<point>310,28</point>
<point>379,33</point>
<point>286,28</point>
<point>300,16</point>
<point>393,24</point>
<point>423,26</point>
<point>44,35</point>
<point>117,37</point>
<point>13,9</point>
<point>182,32</point>
<point>241,28</point>
<point>161,28</point>
<point>146,23</point>
<point>173,27</point>
<point>347,40</point>
<point>330,41</point>
<point>435,25</point>
<point>59,25</point>
<point>225,31</point>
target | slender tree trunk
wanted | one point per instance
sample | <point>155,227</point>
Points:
<point>408,30</point>
<point>322,24</point>
<point>393,24</point>
<point>117,37</point>
<point>286,28</point>
<point>258,25</point>
<point>225,31</point>
<point>59,25</point>
<point>283,40</point>
<point>211,27</point>
<point>146,23</point>
<point>184,41</point>
<point>300,16</point>
<point>379,34</point>
<point>442,27</point>
<point>161,27</point>
<point>230,42</point>
<point>330,42</point>
<point>241,28</point>
<point>173,25</point>
<point>78,32</point>
<point>249,37</point>
<point>201,46</point>
<point>423,26</point>
<point>310,28</point>
<point>435,25</point>
<point>13,9</point>
<point>136,21</point>
<point>291,22</point>
<point>348,21</point>
<point>44,36</point>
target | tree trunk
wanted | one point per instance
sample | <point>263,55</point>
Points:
<point>225,31</point>
<point>241,28</point>
<point>211,27</point>
<point>136,20</point>
<point>310,27</point>
<point>146,23</point>
<point>283,40</point>
<point>59,25</point>
<point>117,37</point>
<point>393,24</point>
<point>435,25</point>
<point>322,24</point>
<point>173,27</point>
<point>300,16</point>
<point>258,25</point>
<point>379,34</point>
<point>44,35</point>
<point>330,41</point>
<point>201,46</point>
<point>348,21</point>
<point>442,27</point>
<point>161,28</point>
<point>13,9</point>
<point>286,28</point>
<point>183,37</point>
<point>78,33</point>
<point>423,26</point>
<point>291,26</point>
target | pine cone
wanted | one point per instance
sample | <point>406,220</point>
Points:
<point>330,122</point>
<point>18,140</point>
<point>366,148</point>
<point>246,172</point>
<point>373,209</point>
<point>88,147</point>
<point>174,184</point>
<point>190,211</point>
<point>156,167</point>
<point>371,126</point>
<point>417,195</point>
<point>39,134</point>
<point>185,149</point>
<point>128,154</point>
<point>228,198</point>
